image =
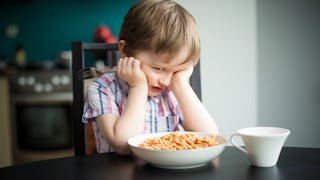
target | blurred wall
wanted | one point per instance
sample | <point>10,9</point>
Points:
<point>260,64</point>
<point>47,27</point>
<point>289,68</point>
<point>228,61</point>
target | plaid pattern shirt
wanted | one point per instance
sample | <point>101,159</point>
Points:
<point>108,94</point>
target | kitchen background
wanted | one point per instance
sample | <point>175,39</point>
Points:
<point>35,80</point>
<point>46,27</point>
<point>262,56</point>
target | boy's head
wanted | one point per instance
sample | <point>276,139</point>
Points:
<point>161,27</point>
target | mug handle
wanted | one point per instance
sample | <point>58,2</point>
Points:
<point>236,145</point>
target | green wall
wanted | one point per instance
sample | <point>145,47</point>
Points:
<point>46,27</point>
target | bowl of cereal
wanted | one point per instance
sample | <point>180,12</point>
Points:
<point>177,150</point>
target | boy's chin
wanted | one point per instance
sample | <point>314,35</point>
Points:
<point>154,91</point>
<point>153,94</point>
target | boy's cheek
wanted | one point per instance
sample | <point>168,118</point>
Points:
<point>149,78</point>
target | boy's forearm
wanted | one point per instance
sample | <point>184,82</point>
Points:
<point>196,117</point>
<point>131,121</point>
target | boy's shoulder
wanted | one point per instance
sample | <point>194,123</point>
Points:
<point>111,80</point>
<point>107,78</point>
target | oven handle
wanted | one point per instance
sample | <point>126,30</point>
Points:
<point>41,98</point>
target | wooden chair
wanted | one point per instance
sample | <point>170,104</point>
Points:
<point>82,133</point>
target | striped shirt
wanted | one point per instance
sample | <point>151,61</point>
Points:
<point>108,94</point>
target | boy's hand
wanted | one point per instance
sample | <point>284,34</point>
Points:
<point>129,70</point>
<point>181,77</point>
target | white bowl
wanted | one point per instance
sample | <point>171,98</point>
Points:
<point>176,159</point>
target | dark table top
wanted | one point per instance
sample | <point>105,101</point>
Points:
<point>294,163</point>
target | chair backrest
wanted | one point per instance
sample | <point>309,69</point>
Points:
<point>109,54</point>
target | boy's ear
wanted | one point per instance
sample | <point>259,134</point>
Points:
<point>121,45</point>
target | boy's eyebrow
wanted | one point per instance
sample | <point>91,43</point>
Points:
<point>180,66</point>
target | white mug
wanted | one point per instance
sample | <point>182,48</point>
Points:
<point>262,144</point>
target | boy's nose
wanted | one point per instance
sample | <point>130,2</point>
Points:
<point>165,80</point>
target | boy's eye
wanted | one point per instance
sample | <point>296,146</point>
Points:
<point>158,68</point>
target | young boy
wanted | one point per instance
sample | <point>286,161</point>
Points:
<point>150,92</point>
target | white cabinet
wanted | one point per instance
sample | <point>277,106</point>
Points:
<point>5,125</point>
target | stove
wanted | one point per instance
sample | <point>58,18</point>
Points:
<point>41,110</point>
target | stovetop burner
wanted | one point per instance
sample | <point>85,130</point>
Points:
<point>52,81</point>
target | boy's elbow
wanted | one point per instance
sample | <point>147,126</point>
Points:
<point>122,149</point>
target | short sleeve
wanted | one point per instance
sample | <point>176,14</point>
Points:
<point>100,99</point>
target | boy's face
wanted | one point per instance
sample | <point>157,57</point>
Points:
<point>159,69</point>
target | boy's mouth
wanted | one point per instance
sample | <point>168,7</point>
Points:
<point>156,89</point>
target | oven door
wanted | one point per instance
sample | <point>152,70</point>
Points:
<point>43,122</point>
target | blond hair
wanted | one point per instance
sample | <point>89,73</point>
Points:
<point>160,26</point>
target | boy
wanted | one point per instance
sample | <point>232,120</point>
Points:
<point>150,92</point>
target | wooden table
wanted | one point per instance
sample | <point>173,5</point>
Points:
<point>294,163</point>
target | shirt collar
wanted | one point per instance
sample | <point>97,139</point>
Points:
<point>157,98</point>
<point>154,98</point>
